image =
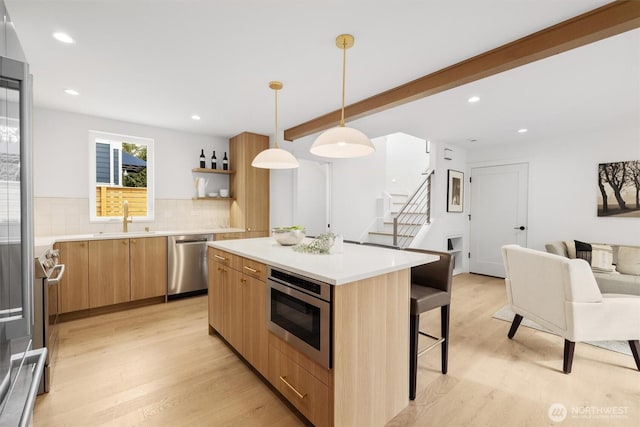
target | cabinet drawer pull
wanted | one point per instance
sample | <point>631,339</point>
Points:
<point>222,269</point>
<point>220,257</point>
<point>243,280</point>
<point>253,270</point>
<point>301,396</point>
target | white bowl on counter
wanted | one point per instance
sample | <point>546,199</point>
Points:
<point>287,236</point>
<point>213,195</point>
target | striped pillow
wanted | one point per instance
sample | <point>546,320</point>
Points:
<point>602,259</point>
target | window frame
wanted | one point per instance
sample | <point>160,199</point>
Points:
<point>115,141</point>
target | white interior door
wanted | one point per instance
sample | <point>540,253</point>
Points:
<point>498,215</point>
<point>311,207</point>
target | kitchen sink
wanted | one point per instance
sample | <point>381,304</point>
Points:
<point>122,234</point>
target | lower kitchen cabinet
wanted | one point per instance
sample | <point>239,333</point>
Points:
<point>254,317</point>
<point>99,273</point>
<point>214,292</point>
<point>148,267</point>
<point>232,301</point>
<point>108,272</point>
<point>73,289</point>
<point>237,305</point>
<point>306,392</point>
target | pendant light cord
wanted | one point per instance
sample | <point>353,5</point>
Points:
<point>275,135</point>
<point>344,72</point>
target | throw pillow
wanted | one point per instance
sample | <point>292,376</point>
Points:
<point>602,259</point>
<point>583,250</point>
<point>628,260</point>
<point>571,248</point>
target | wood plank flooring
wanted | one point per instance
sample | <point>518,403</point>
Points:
<point>157,366</point>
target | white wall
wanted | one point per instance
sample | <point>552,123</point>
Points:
<point>61,154</point>
<point>356,183</point>
<point>61,175</point>
<point>563,189</point>
<point>407,159</point>
<point>446,224</point>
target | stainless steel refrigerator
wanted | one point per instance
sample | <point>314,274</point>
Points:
<point>20,366</point>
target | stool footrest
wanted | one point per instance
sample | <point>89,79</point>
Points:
<point>438,341</point>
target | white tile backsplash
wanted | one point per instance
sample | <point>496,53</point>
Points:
<point>59,216</point>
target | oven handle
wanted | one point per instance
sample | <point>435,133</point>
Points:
<point>56,280</point>
<point>288,290</point>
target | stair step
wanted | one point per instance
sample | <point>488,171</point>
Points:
<point>406,223</point>
<point>383,233</point>
<point>412,213</point>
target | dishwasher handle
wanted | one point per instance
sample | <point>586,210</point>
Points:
<point>191,241</point>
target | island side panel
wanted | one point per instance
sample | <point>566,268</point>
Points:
<point>371,349</point>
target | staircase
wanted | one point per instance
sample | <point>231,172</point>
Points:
<point>409,213</point>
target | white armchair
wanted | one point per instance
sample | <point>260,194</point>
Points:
<point>561,294</point>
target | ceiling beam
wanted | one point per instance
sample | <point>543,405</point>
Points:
<point>606,21</point>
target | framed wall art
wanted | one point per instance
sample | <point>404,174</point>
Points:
<point>619,189</point>
<point>455,190</point>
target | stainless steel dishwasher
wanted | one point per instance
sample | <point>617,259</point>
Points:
<point>187,264</point>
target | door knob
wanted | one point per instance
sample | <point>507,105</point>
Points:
<point>519,228</point>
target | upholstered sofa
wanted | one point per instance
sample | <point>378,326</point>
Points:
<point>625,275</point>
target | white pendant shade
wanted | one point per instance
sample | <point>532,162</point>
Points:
<point>275,158</point>
<point>342,142</point>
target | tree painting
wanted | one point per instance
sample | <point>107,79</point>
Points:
<point>619,185</point>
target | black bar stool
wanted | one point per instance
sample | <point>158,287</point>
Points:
<point>430,289</point>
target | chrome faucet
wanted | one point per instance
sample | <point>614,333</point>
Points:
<point>125,217</point>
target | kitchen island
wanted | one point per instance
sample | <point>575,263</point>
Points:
<point>368,381</point>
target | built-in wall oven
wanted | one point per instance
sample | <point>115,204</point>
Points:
<point>48,273</point>
<point>299,312</point>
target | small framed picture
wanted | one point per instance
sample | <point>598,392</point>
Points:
<point>455,190</point>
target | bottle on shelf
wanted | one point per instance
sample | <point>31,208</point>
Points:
<point>214,161</point>
<point>203,162</point>
<point>225,162</point>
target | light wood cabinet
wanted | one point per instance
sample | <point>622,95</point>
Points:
<point>307,393</point>
<point>73,289</point>
<point>233,308</point>
<point>237,305</point>
<point>249,185</point>
<point>148,264</point>
<point>108,272</point>
<point>255,333</point>
<point>215,277</point>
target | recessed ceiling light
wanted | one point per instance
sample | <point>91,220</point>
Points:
<point>195,117</point>
<point>64,38</point>
<point>473,140</point>
<point>523,130</point>
<point>71,92</point>
<point>473,99</point>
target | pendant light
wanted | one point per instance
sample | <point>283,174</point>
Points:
<point>341,141</point>
<point>275,158</point>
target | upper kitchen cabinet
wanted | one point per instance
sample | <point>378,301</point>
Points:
<point>249,185</point>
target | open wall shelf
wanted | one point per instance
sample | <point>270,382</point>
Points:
<point>455,247</point>
<point>205,170</point>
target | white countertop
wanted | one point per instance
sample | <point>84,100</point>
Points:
<point>42,243</point>
<point>356,262</point>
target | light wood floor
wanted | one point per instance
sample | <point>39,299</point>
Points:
<point>157,366</point>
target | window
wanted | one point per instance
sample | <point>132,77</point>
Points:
<point>121,168</point>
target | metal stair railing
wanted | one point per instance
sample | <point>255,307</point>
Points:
<point>413,212</point>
